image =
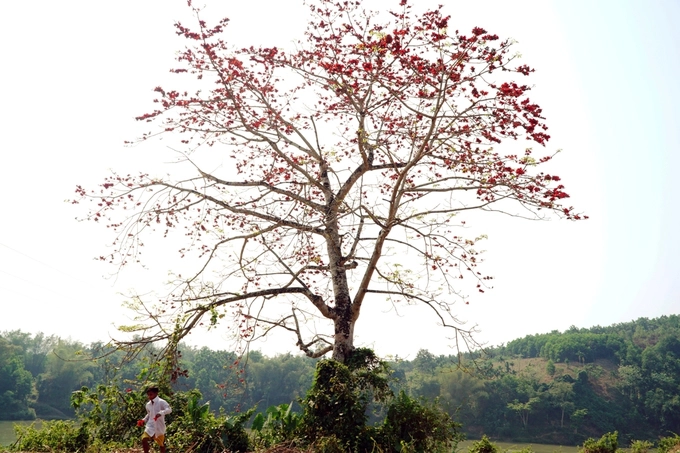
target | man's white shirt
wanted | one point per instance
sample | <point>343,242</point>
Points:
<point>153,407</point>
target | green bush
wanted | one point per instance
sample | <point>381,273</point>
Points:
<point>57,435</point>
<point>640,446</point>
<point>107,421</point>
<point>336,404</point>
<point>608,443</point>
<point>420,427</point>
<point>106,417</point>
<point>335,412</point>
<point>669,444</point>
<point>524,450</point>
<point>110,413</point>
<point>328,444</point>
<point>483,446</point>
<point>280,424</point>
<point>194,428</point>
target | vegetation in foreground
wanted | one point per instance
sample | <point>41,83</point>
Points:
<point>282,431</point>
<point>559,388</point>
<point>335,418</point>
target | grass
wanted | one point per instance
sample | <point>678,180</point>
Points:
<point>510,447</point>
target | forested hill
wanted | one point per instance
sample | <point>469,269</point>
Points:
<point>623,377</point>
<point>622,343</point>
<point>559,387</point>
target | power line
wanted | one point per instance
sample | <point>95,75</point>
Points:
<point>27,296</point>
<point>43,263</point>
<point>33,283</point>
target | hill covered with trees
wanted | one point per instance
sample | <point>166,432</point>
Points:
<point>558,387</point>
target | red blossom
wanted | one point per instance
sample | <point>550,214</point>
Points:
<point>371,129</point>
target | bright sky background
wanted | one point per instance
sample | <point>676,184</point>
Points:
<point>76,73</point>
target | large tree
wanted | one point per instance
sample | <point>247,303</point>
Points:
<point>354,158</point>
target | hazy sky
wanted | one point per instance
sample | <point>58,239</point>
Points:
<point>76,73</point>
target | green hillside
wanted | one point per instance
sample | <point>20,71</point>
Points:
<point>562,386</point>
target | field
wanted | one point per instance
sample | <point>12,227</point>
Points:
<point>536,448</point>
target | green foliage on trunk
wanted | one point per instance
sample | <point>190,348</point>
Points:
<point>336,408</point>
<point>336,404</point>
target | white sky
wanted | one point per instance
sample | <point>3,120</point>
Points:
<point>76,73</point>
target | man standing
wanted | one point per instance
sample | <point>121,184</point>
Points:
<point>156,409</point>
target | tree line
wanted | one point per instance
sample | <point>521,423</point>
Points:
<point>559,387</point>
<point>39,373</point>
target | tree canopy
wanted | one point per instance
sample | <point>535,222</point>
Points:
<point>351,162</point>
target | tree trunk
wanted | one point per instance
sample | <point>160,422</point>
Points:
<point>344,338</point>
<point>343,341</point>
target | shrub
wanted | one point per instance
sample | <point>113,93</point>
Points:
<point>483,446</point>
<point>550,368</point>
<point>524,450</point>
<point>640,446</point>
<point>669,444</point>
<point>195,428</point>
<point>280,424</point>
<point>109,413</point>
<point>335,409</point>
<point>107,419</point>
<point>418,426</point>
<point>336,404</point>
<point>608,443</point>
<point>57,435</point>
<point>328,444</point>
